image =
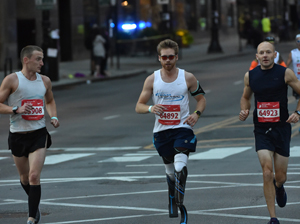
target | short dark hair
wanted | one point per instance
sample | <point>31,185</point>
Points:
<point>168,43</point>
<point>28,50</point>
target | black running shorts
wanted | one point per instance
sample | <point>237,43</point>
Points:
<point>276,139</point>
<point>23,144</point>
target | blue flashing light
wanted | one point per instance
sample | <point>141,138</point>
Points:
<point>142,25</point>
<point>148,24</point>
<point>112,25</point>
<point>129,26</point>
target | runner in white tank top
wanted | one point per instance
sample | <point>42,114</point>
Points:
<point>28,93</point>
<point>173,136</point>
<point>294,58</point>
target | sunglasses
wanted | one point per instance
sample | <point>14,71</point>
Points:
<point>165,57</point>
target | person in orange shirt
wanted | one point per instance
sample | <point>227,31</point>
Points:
<point>278,60</point>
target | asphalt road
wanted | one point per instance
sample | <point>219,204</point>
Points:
<point>102,167</point>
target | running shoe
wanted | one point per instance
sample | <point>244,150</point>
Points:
<point>274,221</point>
<point>30,222</point>
<point>37,216</point>
<point>281,196</point>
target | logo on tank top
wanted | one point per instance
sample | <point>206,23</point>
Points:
<point>168,97</point>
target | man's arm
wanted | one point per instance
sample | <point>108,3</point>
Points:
<point>193,86</point>
<point>50,102</point>
<point>289,60</point>
<point>245,100</point>
<point>292,81</point>
<point>9,84</point>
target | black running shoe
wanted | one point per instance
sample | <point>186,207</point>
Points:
<point>37,216</point>
<point>274,221</point>
<point>281,196</point>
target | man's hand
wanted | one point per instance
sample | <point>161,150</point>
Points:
<point>191,120</point>
<point>293,118</point>
<point>55,123</point>
<point>25,109</point>
<point>243,115</point>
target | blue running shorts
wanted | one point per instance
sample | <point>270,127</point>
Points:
<point>166,141</point>
<point>276,139</point>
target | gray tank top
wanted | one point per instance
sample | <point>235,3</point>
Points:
<point>32,92</point>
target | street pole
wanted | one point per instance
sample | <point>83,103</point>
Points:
<point>214,43</point>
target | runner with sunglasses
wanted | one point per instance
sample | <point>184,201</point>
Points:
<point>278,60</point>
<point>173,136</point>
<point>294,57</point>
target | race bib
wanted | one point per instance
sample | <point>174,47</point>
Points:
<point>268,111</point>
<point>171,115</point>
<point>298,69</point>
<point>37,113</point>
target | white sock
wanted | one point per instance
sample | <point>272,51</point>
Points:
<point>180,161</point>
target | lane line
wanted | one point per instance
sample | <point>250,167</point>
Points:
<point>55,159</point>
<point>111,117</point>
<point>95,148</point>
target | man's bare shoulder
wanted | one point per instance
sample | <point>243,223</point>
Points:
<point>46,80</point>
<point>10,79</point>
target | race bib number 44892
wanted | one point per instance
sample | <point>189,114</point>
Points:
<point>171,115</point>
<point>37,113</point>
<point>268,111</point>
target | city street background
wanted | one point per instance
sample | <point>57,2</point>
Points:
<point>103,168</point>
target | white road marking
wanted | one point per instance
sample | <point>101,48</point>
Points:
<point>95,149</point>
<point>218,153</point>
<point>238,82</point>
<point>125,173</point>
<point>52,132</point>
<point>125,159</point>
<point>145,165</point>
<point>295,151</point>
<point>3,158</point>
<point>55,159</point>
<point>111,117</point>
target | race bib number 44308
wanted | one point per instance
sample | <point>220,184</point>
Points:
<point>37,113</point>
<point>268,111</point>
<point>171,115</point>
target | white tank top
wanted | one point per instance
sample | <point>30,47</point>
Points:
<point>296,62</point>
<point>175,97</point>
<point>31,92</point>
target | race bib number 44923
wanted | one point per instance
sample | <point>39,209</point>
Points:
<point>171,115</point>
<point>268,111</point>
<point>37,113</point>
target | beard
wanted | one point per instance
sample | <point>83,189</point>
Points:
<point>168,67</point>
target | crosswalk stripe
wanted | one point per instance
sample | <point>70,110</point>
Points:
<point>2,158</point>
<point>55,159</point>
<point>218,153</point>
<point>295,151</point>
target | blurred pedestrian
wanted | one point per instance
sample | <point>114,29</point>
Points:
<point>99,53</point>
<point>272,123</point>
<point>294,58</point>
<point>278,60</point>
<point>28,94</point>
<point>266,26</point>
<point>173,136</point>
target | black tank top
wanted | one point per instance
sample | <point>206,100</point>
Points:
<point>269,88</point>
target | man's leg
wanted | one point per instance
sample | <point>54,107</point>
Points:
<point>181,173</point>
<point>169,165</point>
<point>265,158</point>
<point>36,163</point>
<point>280,166</point>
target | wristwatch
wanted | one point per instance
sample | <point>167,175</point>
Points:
<point>198,113</point>
<point>14,109</point>
<point>297,112</point>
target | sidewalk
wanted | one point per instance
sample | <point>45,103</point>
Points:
<point>131,66</point>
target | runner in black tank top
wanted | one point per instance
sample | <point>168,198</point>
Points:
<point>272,123</point>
